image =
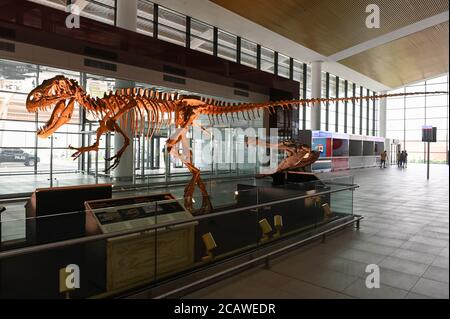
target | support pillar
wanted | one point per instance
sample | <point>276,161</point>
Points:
<point>126,18</point>
<point>316,92</point>
<point>126,14</point>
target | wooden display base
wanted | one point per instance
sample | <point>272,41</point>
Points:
<point>131,259</point>
<point>145,256</point>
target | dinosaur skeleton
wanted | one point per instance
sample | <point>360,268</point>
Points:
<point>147,111</point>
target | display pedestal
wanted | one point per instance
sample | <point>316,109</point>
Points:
<point>121,262</point>
<point>57,213</point>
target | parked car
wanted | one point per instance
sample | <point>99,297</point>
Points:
<point>13,155</point>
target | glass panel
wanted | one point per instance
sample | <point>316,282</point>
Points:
<point>323,112</point>
<point>202,35</point>
<point>227,45</point>
<point>100,10</point>
<point>283,65</point>
<point>298,73</point>
<point>267,59</point>
<point>349,108</point>
<point>172,26</point>
<point>248,53</point>
<point>171,35</point>
<point>332,105</point>
<point>145,17</point>
<point>17,76</point>
<point>341,106</point>
<point>57,4</point>
<point>416,111</point>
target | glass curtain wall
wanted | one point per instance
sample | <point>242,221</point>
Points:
<point>407,115</point>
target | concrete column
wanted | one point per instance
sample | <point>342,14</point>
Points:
<point>316,92</point>
<point>383,105</point>
<point>126,18</point>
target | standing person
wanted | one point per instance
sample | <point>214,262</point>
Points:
<point>402,159</point>
<point>399,157</point>
<point>383,159</point>
<point>405,159</point>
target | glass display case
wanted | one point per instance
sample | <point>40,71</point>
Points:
<point>140,240</point>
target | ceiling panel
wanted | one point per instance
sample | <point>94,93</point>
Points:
<point>330,26</point>
<point>418,56</point>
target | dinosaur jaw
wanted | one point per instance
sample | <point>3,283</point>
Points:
<point>60,116</point>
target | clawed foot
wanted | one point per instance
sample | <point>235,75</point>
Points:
<point>116,162</point>
<point>79,151</point>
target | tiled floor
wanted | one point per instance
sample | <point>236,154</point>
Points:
<point>405,232</point>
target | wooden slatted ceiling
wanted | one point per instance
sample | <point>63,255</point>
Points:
<point>418,56</point>
<point>330,26</point>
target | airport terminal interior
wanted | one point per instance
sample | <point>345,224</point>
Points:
<point>215,149</point>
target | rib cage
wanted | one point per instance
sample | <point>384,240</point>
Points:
<point>149,109</point>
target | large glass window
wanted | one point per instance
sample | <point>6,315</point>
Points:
<point>364,112</point>
<point>248,53</point>
<point>349,108</point>
<point>267,60</point>
<point>57,4</point>
<point>101,10</point>
<point>227,45</point>
<point>323,109</point>
<point>17,126</point>
<point>202,35</point>
<point>332,105</point>
<point>407,115</point>
<point>172,26</point>
<point>357,111</point>
<point>341,106</point>
<point>283,65</point>
<point>298,76</point>
<point>145,17</point>
<point>377,116</point>
<point>308,96</point>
